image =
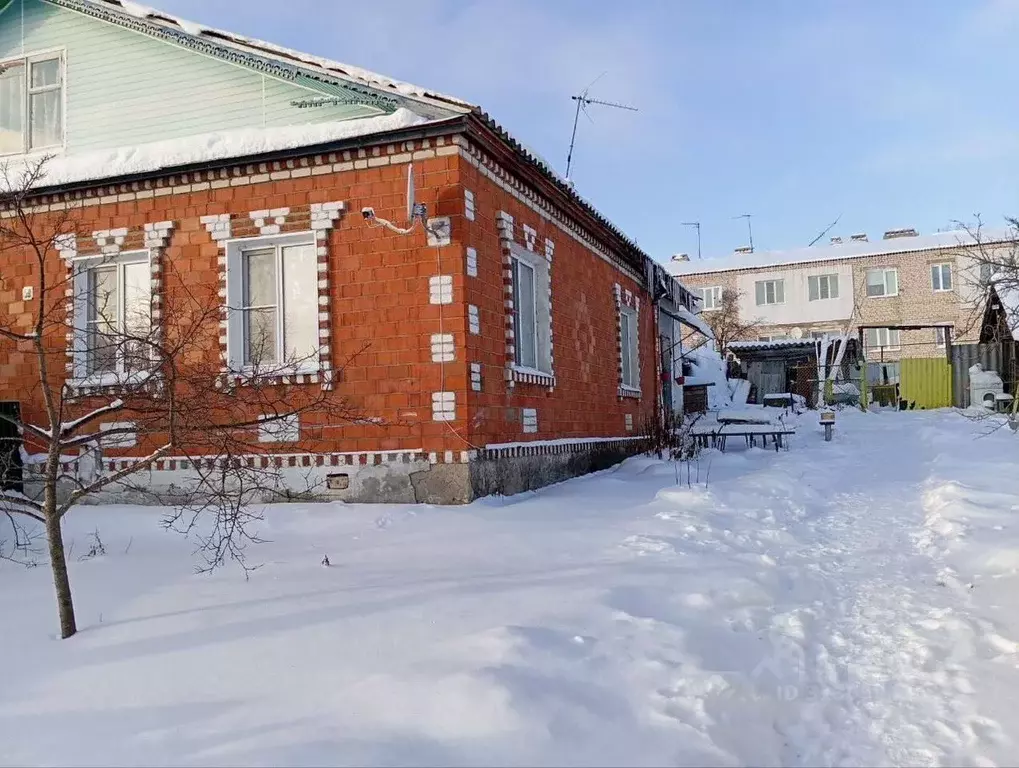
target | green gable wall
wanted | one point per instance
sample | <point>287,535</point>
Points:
<point>124,87</point>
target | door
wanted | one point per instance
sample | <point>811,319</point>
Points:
<point>10,448</point>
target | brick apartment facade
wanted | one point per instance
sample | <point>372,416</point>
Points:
<point>417,331</point>
<point>936,281</point>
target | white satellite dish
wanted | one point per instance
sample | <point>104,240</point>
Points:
<point>410,192</point>
<point>796,333</point>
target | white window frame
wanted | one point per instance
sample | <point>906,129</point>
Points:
<point>830,280</point>
<point>26,60</point>
<point>82,267</point>
<point>542,340</point>
<point>939,334</point>
<point>884,282</point>
<point>236,362</point>
<point>938,286</point>
<point>629,340</point>
<point>715,292</point>
<point>775,284</point>
<point>888,338</point>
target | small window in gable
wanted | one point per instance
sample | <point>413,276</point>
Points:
<point>31,104</point>
<point>272,295</point>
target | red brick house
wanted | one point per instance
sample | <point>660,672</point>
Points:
<point>517,339</point>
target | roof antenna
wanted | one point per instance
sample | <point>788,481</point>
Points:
<point>826,230</point>
<point>583,100</point>
<point>750,229</point>
<point>697,226</point>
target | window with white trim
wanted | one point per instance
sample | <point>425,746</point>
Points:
<point>821,287</point>
<point>940,336</point>
<point>113,310</point>
<point>882,282</point>
<point>941,277</point>
<point>630,363</point>
<point>769,292</point>
<point>711,298</point>
<point>531,312</point>
<point>31,103</point>
<point>272,295</point>
<point>884,338</point>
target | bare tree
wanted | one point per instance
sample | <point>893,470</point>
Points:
<point>727,324</point>
<point>154,389</point>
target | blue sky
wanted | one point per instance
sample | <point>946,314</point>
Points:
<point>892,114</point>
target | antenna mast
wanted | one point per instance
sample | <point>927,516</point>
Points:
<point>697,225</point>
<point>750,229</point>
<point>583,100</point>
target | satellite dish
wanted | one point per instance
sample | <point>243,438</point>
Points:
<point>410,192</point>
<point>796,333</point>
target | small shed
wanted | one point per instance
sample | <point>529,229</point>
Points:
<point>787,365</point>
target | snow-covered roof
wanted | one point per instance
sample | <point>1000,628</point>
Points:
<point>695,321</point>
<point>736,346</point>
<point>831,252</point>
<point>207,147</point>
<point>254,46</point>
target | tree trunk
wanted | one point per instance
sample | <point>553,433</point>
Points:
<point>58,564</point>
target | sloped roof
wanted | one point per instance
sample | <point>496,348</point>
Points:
<point>254,46</point>
<point>832,252</point>
<point>431,105</point>
<point>736,346</point>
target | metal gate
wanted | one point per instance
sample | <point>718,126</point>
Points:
<point>925,382</point>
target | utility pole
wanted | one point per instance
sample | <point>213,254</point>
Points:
<point>750,229</point>
<point>697,226</point>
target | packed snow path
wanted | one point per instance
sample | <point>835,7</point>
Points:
<point>837,604</point>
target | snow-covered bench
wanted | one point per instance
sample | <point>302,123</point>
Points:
<point>716,435</point>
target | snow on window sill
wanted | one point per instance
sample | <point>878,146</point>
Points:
<point>528,375</point>
<point>109,380</point>
<point>299,374</point>
<point>625,391</point>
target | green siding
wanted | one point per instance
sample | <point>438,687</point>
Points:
<point>124,87</point>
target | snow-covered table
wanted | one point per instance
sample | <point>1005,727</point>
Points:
<point>716,435</point>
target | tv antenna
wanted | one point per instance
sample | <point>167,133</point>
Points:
<point>750,229</point>
<point>583,101</point>
<point>697,226</point>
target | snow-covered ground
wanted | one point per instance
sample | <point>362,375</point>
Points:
<point>845,603</point>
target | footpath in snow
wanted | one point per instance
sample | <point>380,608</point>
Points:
<point>841,603</point>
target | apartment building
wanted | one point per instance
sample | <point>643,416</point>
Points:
<point>903,278</point>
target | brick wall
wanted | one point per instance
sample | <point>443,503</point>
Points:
<point>382,320</point>
<point>584,400</point>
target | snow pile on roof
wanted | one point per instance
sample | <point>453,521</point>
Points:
<point>708,367</point>
<point>206,147</point>
<point>261,47</point>
<point>695,321</point>
<point>845,250</point>
<point>1009,298</point>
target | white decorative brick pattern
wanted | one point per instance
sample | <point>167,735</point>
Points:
<point>469,205</point>
<point>476,377</point>
<point>324,214</point>
<point>473,319</point>
<point>530,420</point>
<point>443,406</point>
<point>270,222</point>
<point>109,241</point>
<point>530,237</point>
<point>217,225</point>
<point>504,222</point>
<point>443,348</point>
<point>472,262</point>
<point>549,250</point>
<point>440,289</point>
<point>629,422</point>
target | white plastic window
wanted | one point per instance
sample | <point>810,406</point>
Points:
<point>882,282</point>
<point>31,104</point>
